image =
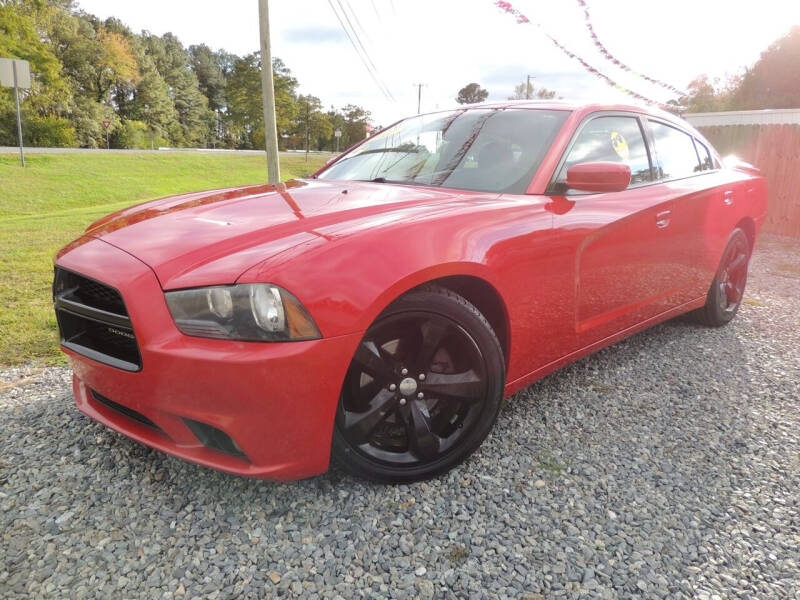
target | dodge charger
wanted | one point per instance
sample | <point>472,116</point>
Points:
<point>379,311</point>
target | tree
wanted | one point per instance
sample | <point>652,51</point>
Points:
<point>211,68</point>
<point>151,103</point>
<point>151,89</point>
<point>116,62</point>
<point>356,120</point>
<point>172,63</point>
<point>526,90</point>
<point>46,104</point>
<point>472,93</point>
<point>706,95</point>
<point>245,110</point>
<point>94,58</point>
<point>21,38</point>
<point>774,81</point>
<point>337,121</point>
<point>313,126</point>
<point>285,85</point>
<point>101,63</point>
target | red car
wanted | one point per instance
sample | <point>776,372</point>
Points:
<point>380,310</point>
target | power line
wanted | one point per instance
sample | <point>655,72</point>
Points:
<point>368,64</point>
<point>356,19</point>
<point>358,39</point>
<point>375,8</point>
<point>355,47</point>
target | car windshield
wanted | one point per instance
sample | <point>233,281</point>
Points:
<point>486,150</point>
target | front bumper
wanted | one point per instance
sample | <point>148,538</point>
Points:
<point>276,401</point>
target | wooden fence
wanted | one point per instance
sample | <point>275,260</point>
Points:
<point>775,149</point>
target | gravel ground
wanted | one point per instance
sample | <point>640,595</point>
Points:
<point>667,466</point>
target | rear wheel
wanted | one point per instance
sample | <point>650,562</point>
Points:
<point>422,391</point>
<point>727,290</point>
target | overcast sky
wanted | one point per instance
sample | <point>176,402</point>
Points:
<point>446,44</point>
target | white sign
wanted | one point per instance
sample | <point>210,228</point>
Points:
<point>337,133</point>
<point>7,73</point>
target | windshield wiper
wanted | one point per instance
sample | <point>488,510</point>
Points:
<point>383,180</point>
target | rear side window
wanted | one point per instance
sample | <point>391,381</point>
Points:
<point>611,139</point>
<point>706,162</point>
<point>675,153</point>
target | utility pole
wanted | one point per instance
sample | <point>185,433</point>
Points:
<point>528,88</point>
<point>268,93</point>
<point>419,96</point>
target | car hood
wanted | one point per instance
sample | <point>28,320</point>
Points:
<point>212,237</point>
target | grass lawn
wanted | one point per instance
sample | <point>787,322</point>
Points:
<point>52,200</point>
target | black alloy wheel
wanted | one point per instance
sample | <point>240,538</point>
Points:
<point>727,290</point>
<point>422,391</point>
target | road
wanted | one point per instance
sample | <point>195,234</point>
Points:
<point>15,150</point>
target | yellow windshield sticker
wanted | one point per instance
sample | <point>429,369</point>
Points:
<point>620,145</point>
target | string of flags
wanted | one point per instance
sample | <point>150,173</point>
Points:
<point>604,51</point>
<point>521,19</point>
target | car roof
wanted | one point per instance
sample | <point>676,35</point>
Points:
<point>583,108</point>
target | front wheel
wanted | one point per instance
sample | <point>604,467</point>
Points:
<point>727,290</point>
<point>423,389</point>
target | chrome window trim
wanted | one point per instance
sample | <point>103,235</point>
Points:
<point>644,123</point>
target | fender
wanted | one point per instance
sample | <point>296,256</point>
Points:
<point>429,274</point>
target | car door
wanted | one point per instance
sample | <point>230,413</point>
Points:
<point>704,196</point>
<point>618,247</point>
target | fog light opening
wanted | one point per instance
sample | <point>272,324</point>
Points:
<point>214,438</point>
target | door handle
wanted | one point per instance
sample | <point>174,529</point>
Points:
<point>662,218</point>
<point>727,197</point>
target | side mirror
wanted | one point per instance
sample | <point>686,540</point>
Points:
<point>599,177</point>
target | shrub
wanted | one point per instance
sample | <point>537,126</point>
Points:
<point>45,132</point>
<point>131,134</point>
<point>37,131</point>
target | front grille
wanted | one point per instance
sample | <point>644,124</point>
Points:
<point>93,321</point>
<point>89,292</point>
<point>101,296</point>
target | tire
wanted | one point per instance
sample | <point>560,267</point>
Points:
<point>727,289</point>
<point>423,389</point>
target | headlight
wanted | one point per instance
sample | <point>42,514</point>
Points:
<point>253,312</point>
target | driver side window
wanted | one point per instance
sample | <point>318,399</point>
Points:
<point>610,139</point>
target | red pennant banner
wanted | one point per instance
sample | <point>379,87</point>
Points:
<point>521,19</point>
<point>606,54</point>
